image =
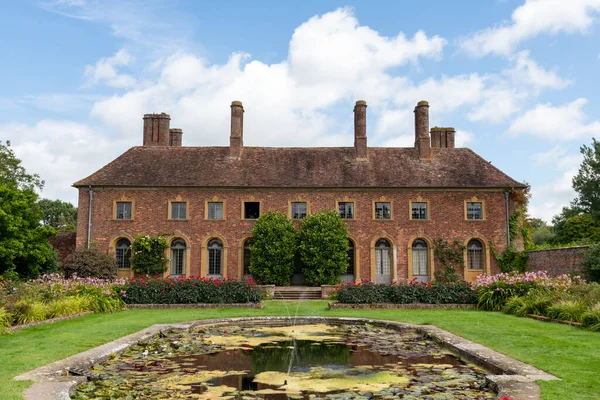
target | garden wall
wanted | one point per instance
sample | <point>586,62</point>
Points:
<point>557,261</point>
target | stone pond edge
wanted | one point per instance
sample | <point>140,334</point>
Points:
<point>510,377</point>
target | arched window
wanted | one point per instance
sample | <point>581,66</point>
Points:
<point>383,261</point>
<point>351,258</point>
<point>474,254</point>
<point>215,257</point>
<point>247,256</point>
<point>420,260</point>
<point>123,255</point>
<point>177,257</point>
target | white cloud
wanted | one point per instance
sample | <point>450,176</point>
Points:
<point>463,138</point>
<point>61,152</point>
<point>531,19</point>
<point>527,72</point>
<point>566,122</point>
<point>105,71</point>
<point>549,199</point>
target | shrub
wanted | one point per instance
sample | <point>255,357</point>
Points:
<point>323,248</point>
<point>148,255</point>
<point>66,306</point>
<point>591,318</point>
<point>413,292</point>
<point>87,263</point>
<point>273,248</point>
<point>591,263</point>
<point>535,302</point>
<point>567,310</point>
<point>5,320</point>
<point>26,312</point>
<point>141,290</point>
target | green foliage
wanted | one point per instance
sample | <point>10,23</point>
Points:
<point>450,257</point>
<point>587,181</point>
<point>323,248</point>
<point>591,263</point>
<point>140,290</point>
<point>273,249</point>
<point>148,254</point>
<point>535,302</point>
<point>413,292</point>
<point>577,228</point>
<point>24,245</point>
<point>12,172</point>
<point>58,214</point>
<point>89,263</point>
<point>537,223</point>
<point>5,320</point>
<point>510,259</point>
<point>567,310</point>
<point>542,236</point>
<point>494,297</point>
<point>591,318</point>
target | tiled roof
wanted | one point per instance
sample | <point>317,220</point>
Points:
<point>333,167</point>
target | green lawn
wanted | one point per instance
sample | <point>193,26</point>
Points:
<point>570,353</point>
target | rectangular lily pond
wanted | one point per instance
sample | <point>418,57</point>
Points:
<point>314,361</point>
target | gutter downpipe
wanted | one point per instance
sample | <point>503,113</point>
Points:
<point>89,229</point>
<point>507,220</point>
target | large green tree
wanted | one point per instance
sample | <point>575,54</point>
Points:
<point>273,249</point>
<point>323,248</point>
<point>587,181</point>
<point>24,245</point>
<point>58,214</point>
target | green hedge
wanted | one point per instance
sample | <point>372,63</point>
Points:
<point>145,290</point>
<point>413,292</point>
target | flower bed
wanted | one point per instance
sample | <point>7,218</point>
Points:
<point>413,292</point>
<point>147,290</point>
<point>562,298</point>
<point>52,296</point>
<point>494,291</point>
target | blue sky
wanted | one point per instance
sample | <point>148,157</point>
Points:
<point>517,79</point>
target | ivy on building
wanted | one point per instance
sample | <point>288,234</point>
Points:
<point>148,254</point>
<point>450,256</point>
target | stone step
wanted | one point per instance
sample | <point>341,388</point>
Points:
<point>297,295</point>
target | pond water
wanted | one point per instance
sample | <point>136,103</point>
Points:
<point>286,362</point>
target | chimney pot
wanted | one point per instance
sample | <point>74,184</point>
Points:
<point>422,140</point>
<point>175,137</point>
<point>156,129</point>
<point>236,140</point>
<point>360,129</point>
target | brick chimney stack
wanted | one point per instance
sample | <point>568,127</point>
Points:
<point>236,140</point>
<point>175,137</point>
<point>360,129</point>
<point>422,141</point>
<point>442,137</point>
<point>156,129</point>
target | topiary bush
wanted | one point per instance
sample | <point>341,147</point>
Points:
<point>591,263</point>
<point>273,248</point>
<point>323,248</point>
<point>148,254</point>
<point>89,263</point>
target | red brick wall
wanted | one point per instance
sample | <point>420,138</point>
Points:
<point>557,261</point>
<point>446,211</point>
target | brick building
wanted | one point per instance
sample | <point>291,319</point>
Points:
<point>395,201</point>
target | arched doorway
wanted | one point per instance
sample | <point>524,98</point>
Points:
<point>215,259</point>
<point>420,260</point>
<point>177,267</point>
<point>383,262</point>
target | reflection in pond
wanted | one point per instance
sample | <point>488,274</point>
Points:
<point>297,362</point>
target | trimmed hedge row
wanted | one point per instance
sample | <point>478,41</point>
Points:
<point>413,292</point>
<point>146,290</point>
